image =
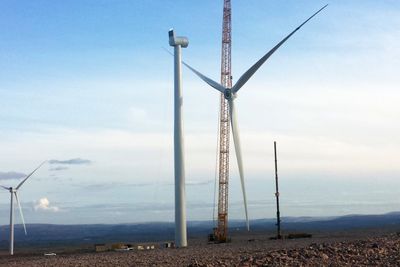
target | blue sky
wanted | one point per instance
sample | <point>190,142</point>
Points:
<point>90,80</point>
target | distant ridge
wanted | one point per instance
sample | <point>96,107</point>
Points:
<point>54,234</point>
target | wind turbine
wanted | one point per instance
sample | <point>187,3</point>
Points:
<point>230,95</point>
<point>179,160</point>
<point>14,192</point>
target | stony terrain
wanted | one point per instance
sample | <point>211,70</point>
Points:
<point>323,250</point>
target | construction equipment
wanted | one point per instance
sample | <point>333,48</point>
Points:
<point>221,231</point>
<point>228,115</point>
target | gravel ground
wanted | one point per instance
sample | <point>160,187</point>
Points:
<point>325,250</point>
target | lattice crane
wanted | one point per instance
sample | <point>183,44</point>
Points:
<point>221,231</point>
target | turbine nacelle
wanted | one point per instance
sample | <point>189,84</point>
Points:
<point>175,41</point>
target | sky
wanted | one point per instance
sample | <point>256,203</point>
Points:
<point>88,86</point>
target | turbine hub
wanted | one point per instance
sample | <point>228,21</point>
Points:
<point>228,94</point>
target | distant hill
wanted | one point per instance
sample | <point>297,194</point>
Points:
<point>53,235</point>
<point>347,222</point>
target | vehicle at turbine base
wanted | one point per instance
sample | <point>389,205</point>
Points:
<point>120,246</point>
<point>123,249</point>
<point>50,254</point>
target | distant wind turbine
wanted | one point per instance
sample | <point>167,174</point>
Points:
<point>230,95</point>
<point>14,192</point>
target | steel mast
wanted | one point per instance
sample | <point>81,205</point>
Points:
<point>221,232</point>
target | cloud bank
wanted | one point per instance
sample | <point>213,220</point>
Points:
<point>59,168</point>
<point>11,175</point>
<point>76,161</point>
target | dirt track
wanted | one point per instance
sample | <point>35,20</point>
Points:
<point>326,251</point>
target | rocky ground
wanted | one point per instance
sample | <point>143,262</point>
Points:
<point>322,250</point>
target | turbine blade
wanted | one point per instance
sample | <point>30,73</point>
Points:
<point>23,181</point>
<point>210,82</point>
<point>6,188</point>
<point>247,75</point>
<point>20,212</point>
<point>169,52</point>
<point>236,140</point>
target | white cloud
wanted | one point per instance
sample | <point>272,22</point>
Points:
<point>43,204</point>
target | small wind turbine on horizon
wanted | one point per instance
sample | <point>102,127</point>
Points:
<point>230,95</point>
<point>14,192</point>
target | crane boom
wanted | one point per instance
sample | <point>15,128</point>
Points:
<point>221,231</point>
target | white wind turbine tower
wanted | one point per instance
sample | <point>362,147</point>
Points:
<point>179,159</point>
<point>14,192</point>
<point>231,93</point>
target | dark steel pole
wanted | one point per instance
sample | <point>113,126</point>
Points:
<point>278,215</point>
